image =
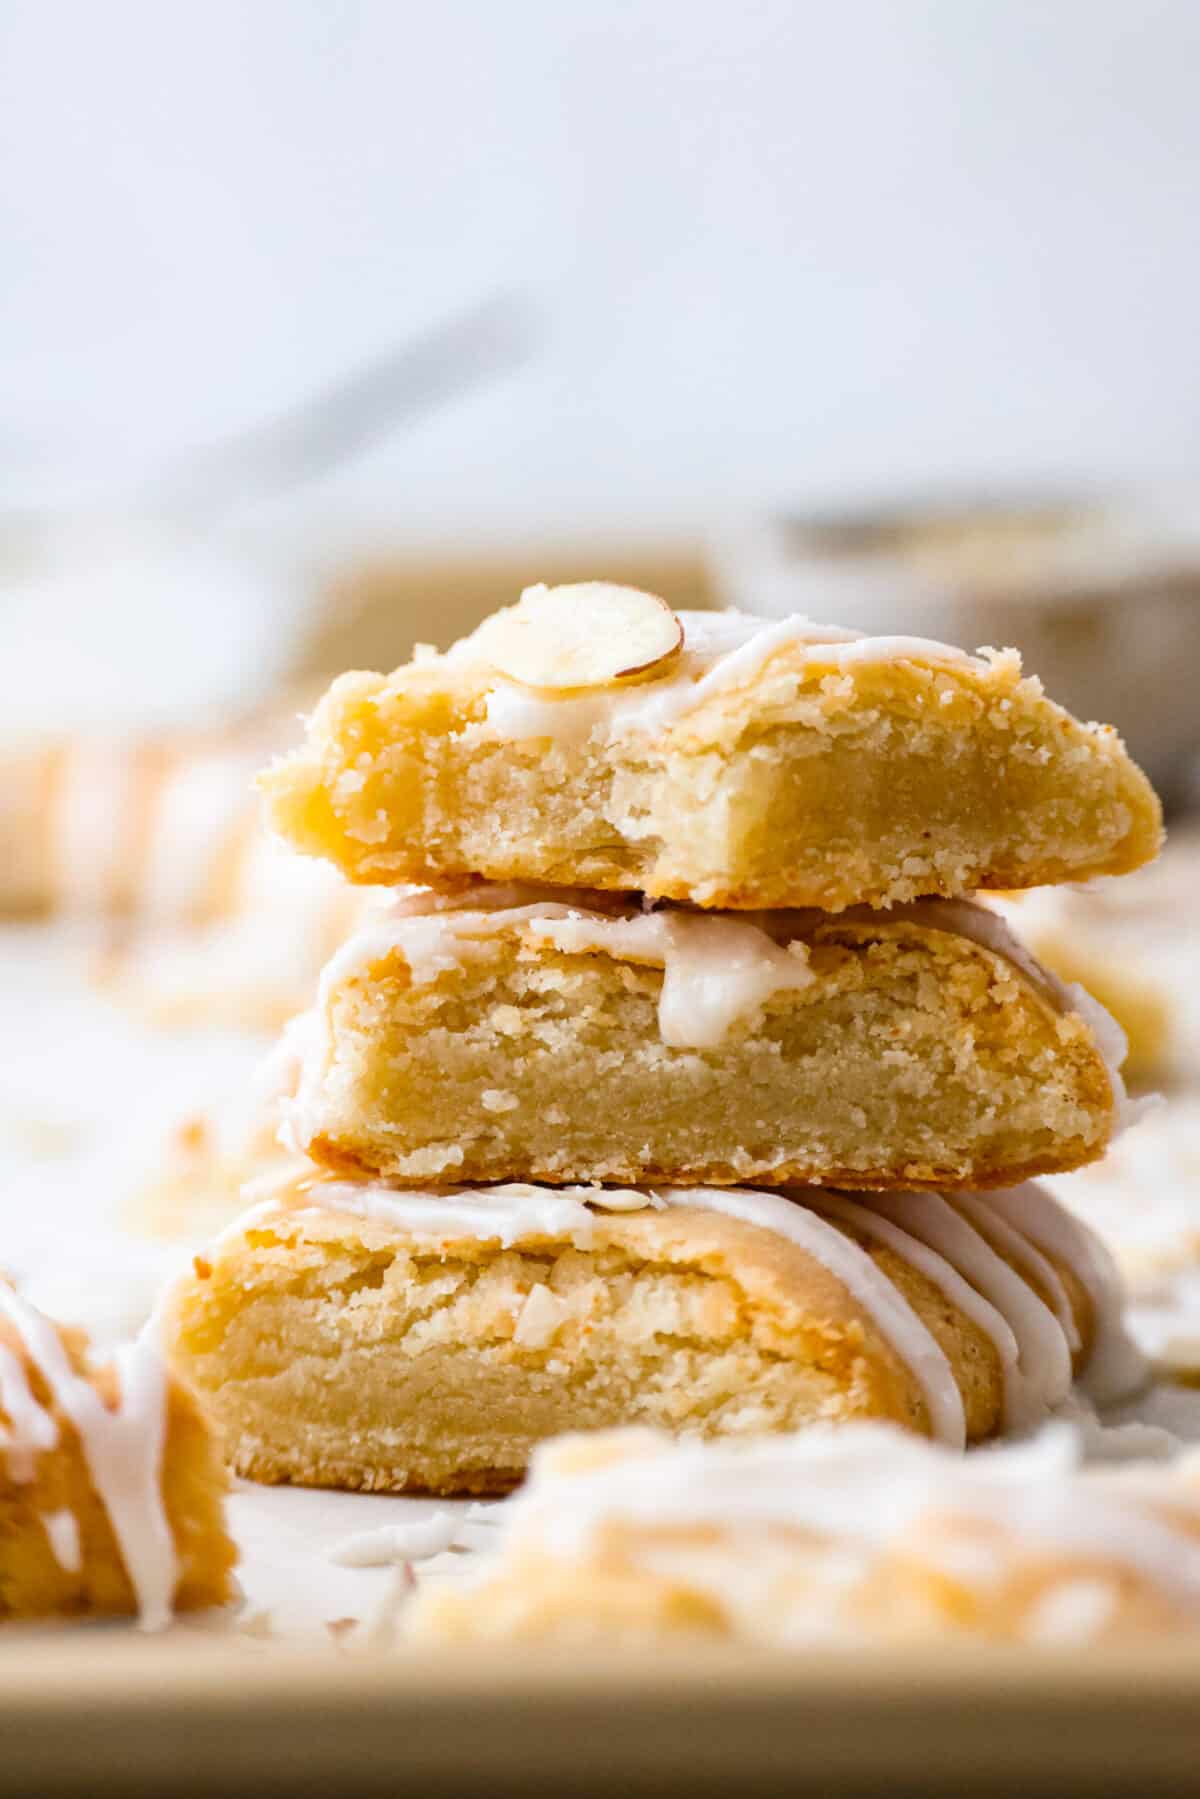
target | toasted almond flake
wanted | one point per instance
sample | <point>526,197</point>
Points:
<point>584,635</point>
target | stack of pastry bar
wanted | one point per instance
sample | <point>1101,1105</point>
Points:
<point>687,1089</point>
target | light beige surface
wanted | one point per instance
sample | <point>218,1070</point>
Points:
<point>805,783</point>
<point>188,1717</point>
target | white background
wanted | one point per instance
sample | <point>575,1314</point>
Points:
<point>778,249</point>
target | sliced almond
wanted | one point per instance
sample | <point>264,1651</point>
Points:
<point>586,634</point>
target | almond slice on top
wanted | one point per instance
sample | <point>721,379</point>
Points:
<point>584,634</point>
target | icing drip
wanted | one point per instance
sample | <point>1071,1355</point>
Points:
<point>935,1268</point>
<point>1115,1367</point>
<point>1038,1269</point>
<point>511,1214</point>
<point>1042,1376</point>
<point>718,966</point>
<point>715,970</point>
<point>722,651</point>
<point>122,1449</point>
<point>31,1428</point>
<point>62,1532</point>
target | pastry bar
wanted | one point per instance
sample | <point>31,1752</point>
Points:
<point>862,1535</point>
<point>514,1034</point>
<point>590,737</point>
<point>111,1483</point>
<point>346,1334</point>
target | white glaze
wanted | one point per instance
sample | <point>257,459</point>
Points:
<point>62,1533</point>
<point>1042,1377</point>
<point>1017,1249</point>
<point>122,1449</point>
<point>715,969</point>
<point>722,651</point>
<point>1115,1367</point>
<point>907,1244</point>
<point>419,1541</point>
<point>884,1303</point>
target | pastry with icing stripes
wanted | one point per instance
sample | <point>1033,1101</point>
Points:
<point>111,1481</point>
<point>350,1335</point>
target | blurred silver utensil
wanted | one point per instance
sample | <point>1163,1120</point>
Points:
<point>343,419</point>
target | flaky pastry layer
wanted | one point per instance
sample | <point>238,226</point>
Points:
<point>555,1044</point>
<point>346,1347</point>
<point>803,776</point>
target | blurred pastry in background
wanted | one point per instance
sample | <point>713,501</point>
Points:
<point>856,1536</point>
<point>1135,945</point>
<point>150,827</point>
<point>1143,1201</point>
<point>251,967</point>
<point>111,1482</point>
<point>1102,596</point>
<point>198,917</point>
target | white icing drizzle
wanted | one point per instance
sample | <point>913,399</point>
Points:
<point>721,651</point>
<point>1042,1377</point>
<point>510,1214</point>
<point>507,1215</point>
<point>122,1448</point>
<point>853,1267</point>
<point>31,1428</point>
<point>715,970</point>
<point>946,1278</point>
<point>865,1486</point>
<point>62,1532</point>
<point>1115,1367</point>
<point>1016,1248</point>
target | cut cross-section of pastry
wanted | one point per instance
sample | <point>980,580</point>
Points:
<point>111,1482</point>
<point>760,765</point>
<point>859,1535</point>
<point>349,1335</point>
<point>513,1034</point>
